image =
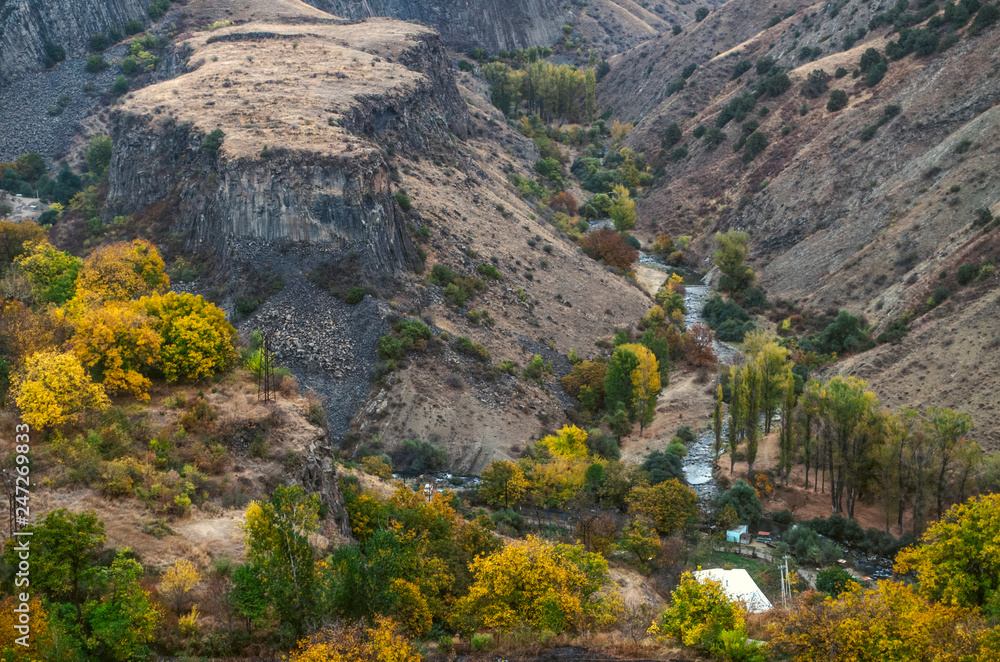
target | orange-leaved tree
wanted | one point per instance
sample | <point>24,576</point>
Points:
<point>117,342</point>
<point>121,272</point>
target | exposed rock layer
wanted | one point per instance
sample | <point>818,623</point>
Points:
<point>26,26</point>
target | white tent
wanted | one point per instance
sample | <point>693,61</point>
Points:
<point>739,586</point>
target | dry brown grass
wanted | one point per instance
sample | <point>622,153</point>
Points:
<point>283,85</point>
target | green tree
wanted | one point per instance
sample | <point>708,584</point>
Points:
<point>98,154</point>
<point>733,247</point>
<point>124,619</point>
<point>248,596</point>
<point>837,101</point>
<point>743,497</point>
<point>949,434</point>
<point>276,534</point>
<point>618,388</point>
<point>620,424</point>
<point>834,581</point>
<point>64,547</point>
<point>717,423</point>
<point>639,538</point>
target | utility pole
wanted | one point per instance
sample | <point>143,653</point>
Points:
<point>265,379</point>
<point>786,584</point>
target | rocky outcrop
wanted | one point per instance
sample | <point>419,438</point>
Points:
<point>491,24</point>
<point>341,202</point>
<point>26,26</point>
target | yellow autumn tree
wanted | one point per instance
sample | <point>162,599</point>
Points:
<point>699,611</point>
<point>178,581</point>
<point>891,622</point>
<point>553,484</point>
<point>503,483</point>
<point>38,639</point>
<point>540,584</point>
<point>622,210</point>
<point>121,272</point>
<point>570,441</point>
<point>645,385</point>
<point>196,339</point>
<point>668,505</point>
<point>52,273</point>
<point>357,643</point>
<point>118,344</point>
<point>53,388</point>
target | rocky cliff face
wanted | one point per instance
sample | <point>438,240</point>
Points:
<point>465,24</point>
<point>305,154</point>
<point>342,202</point>
<point>27,25</point>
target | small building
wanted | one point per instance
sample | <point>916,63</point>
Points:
<point>736,535</point>
<point>738,586</point>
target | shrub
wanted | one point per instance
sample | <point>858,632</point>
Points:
<point>740,68</point>
<point>414,334</point>
<point>699,131</point>
<point>983,216</point>
<point>840,72</point>
<point>941,292</point>
<point>844,334</point>
<point>985,17</point>
<point>756,143</point>
<point>775,85</point>
<point>662,466</point>
<point>685,434</point>
<point>714,137</point>
<point>679,153</point>
<point>441,275</point>
<point>782,517</point>
<point>354,295</point>
<point>98,42</point>
<point>157,8</point>
<point>482,642</point>
<point>489,271</point>
<point>133,26</point>
<point>423,456</point>
<point>816,83</point>
<point>837,101</point>
<point>700,14</point>
<point>390,347</point>
<point>608,245</point>
<point>129,65</point>
<point>121,85</point>
<point>96,63</point>
<point>212,142</point>
<point>834,581</point>
<point>473,349</point>
<point>404,201</point>
<point>967,273</point>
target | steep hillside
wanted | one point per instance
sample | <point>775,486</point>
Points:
<point>841,216</point>
<point>637,84</point>
<point>609,26</point>
<point>326,123</point>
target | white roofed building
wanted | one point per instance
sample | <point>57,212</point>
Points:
<point>738,586</point>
